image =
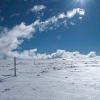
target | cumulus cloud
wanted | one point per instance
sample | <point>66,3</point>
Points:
<point>67,54</point>
<point>26,54</point>
<point>72,13</point>
<point>31,54</point>
<point>62,15</point>
<point>1,19</point>
<point>10,39</point>
<point>92,54</point>
<point>15,14</point>
<point>37,8</point>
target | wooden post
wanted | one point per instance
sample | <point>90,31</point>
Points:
<point>14,66</point>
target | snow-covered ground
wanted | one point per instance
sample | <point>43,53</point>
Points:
<point>53,79</point>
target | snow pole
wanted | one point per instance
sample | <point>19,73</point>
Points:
<point>14,66</point>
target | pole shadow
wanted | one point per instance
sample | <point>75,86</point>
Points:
<point>5,77</point>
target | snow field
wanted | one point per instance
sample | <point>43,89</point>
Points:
<point>52,79</point>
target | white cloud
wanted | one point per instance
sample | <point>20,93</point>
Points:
<point>64,22</point>
<point>46,25</point>
<point>67,54</point>
<point>37,8</point>
<point>72,13</point>
<point>55,20</point>
<point>62,15</point>
<point>92,54</point>
<point>26,54</point>
<point>72,23</point>
<point>1,19</point>
<point>80,18</point>
<point>80,11</point>
<point>31,54</point>
<point>12,38</point>
<point>15,14</point>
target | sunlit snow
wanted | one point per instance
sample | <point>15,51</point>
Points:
<point>52,79</point>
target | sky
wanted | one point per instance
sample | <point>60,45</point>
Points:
<point>28,27</point>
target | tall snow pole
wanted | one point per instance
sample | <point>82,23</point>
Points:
<point>14,66</point>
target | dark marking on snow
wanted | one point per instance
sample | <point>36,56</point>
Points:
<point>7,89</point>
<point>7,75</point>
<point>44,71</point>
<point>1,81</point>
<point>34,89</point>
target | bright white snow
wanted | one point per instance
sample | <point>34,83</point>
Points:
<point>52,79</point>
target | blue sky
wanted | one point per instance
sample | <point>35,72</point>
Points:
<point>49,25</point>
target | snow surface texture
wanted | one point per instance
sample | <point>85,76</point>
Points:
<point>52,79</point>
